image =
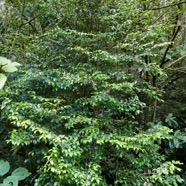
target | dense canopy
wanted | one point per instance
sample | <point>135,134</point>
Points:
<point>99,98</point>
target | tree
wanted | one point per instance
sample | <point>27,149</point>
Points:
<point>84,110</point>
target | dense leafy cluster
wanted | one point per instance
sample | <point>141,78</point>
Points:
<point>85,108</point>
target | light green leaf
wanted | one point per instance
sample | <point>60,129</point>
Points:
<point>168,56</point>
<point>1,92</point>
<point>20,173</point>
<point>16,64</point>
<point>11,180</point>
<point>165,171</point>
<point>9,68</point>
<point>4,61</point>
<point>3,79</point>
<point>4,167</point>
<point>182,52</point>
<point>179,179</point>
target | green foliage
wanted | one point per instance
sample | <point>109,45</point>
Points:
<point>75,139</point>
<point>84,110</point>
<point>16,176</point>
<point>164,175</point>
<point>178,140</point>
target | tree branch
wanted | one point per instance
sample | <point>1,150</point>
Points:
<point>175,62</point>
<point>161,15</point>
<point>170,81</point>
<point>167,6</point>
<point>166,51</point>
<point>30,22</point>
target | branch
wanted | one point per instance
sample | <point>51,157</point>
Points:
<point>181,69</point>
<point>22,12</point>
<point>160,16</point>
<point>175,62</point>
<point>173,38</point>
<point>180,75</point>
<point>167,6</point>
<point>30,22</point>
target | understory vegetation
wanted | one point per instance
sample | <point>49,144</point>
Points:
<point>99,98</point>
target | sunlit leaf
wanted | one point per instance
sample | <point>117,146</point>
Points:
<point>16,64</point>
<point>3,79</point>
<point>9,68</point>
<point>4,61</point>
<point>165,171</point>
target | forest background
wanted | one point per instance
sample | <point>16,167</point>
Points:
<point>100,98</point>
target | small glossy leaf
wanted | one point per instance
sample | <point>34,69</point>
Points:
<point>20,173</point>
<point>3,79</point>
<point>11,180</point>
<point>4,167</point>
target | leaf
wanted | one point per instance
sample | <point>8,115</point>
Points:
<point>182,52</point>
<point>9,68</point>
<point>179,179</point>
<point>11,180</point>
<point>3,79</point>
<point>171,145</point>
<point>4,167</point>
<point>16,64</point>
<point>20,173</point>
<point>184,138</point>
<point>165,171</point>
<point>4,61</point>
<point>168,56</point>
<point>1,93</point>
